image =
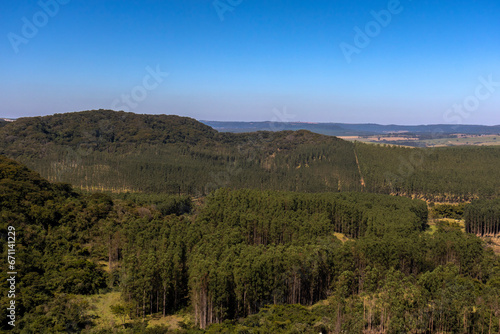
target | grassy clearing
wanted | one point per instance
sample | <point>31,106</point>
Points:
<point>172,321</point>
<point>493,243</point>
<point>101,312</point>
<point>432,228</point>
<point>100,306</point>
<point>435,224</point>
<point>104,265</point>
<point>341,236</point>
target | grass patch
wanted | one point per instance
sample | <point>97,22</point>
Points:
<point>493,243</point>
<point>341,236</point>
<point>445,223</point>
<point>101,312</point>
<point>104,319</point>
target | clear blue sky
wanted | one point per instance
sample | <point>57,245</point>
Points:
<point>262,57</point>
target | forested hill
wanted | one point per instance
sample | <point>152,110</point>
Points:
<point>100,130</point>
<point>118,151</point>
<point>26,181</point>
<point>40,219</point>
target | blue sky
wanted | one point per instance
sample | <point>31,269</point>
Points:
<point>422,62</point>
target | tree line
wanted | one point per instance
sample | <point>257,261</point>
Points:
<point>482,217</point>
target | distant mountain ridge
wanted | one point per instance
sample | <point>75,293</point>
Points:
<point>346,129</point>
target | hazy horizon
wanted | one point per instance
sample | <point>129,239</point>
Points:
<point>273,121</point>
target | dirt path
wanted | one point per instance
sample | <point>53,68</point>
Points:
<point>359,169</point>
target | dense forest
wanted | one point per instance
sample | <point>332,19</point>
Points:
<point>52,261</point>
<point>267,232</point>
<point>438,174</point>
<point>103,150</point>
<point>482,217</point>
<point>243,261</point>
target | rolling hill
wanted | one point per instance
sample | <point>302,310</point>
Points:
<point>117,151</point>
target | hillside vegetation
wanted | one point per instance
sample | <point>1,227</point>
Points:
<point>245,260</point>
<point>117,151</point>
<point>50,224</point>
<point>437,174</point>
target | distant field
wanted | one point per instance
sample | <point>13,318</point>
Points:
<point>486,140</point>
<point>456,140</point>
<point>378,138</point>
<point>399,141</point>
